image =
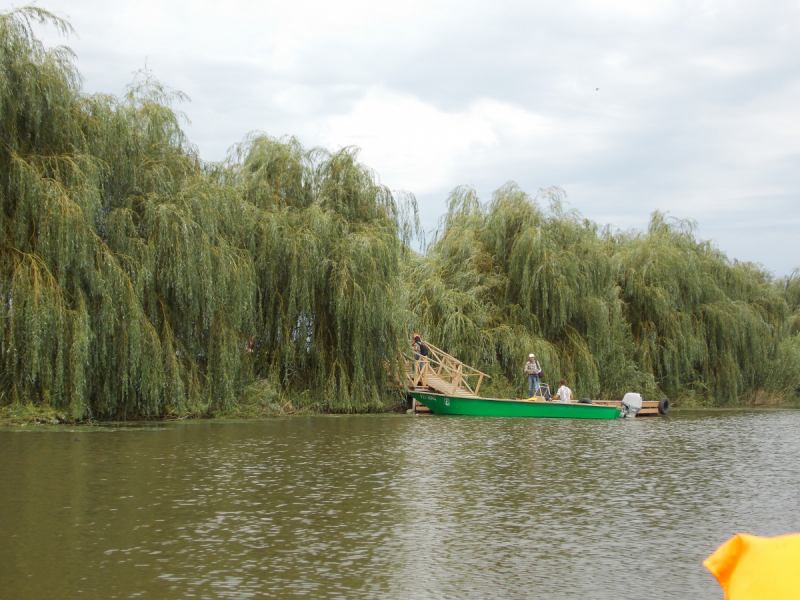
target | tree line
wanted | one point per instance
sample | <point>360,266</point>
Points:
<point>138,280</point>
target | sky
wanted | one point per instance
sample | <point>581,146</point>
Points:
<point>687,107</point>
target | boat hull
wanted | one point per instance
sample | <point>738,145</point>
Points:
<point>486,407</point>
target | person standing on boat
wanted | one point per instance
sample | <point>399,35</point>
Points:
<point>564,394</point>
<point>420,350</point>
<point>534,371</point>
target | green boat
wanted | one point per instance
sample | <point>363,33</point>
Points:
<point>489,407</point>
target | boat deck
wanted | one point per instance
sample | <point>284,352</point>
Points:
<point>649,407</point>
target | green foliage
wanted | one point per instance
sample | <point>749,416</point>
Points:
<point>699,322</point>
<point>324,238</point>
<point>137,280</point>
<point>133,275</point>
<point>784,371</point>
<point>658,311</point>
<point>31,414</point>
<point>791,287</point>
<point>507,278</point>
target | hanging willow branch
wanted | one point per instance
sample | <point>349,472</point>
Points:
<point>136,280</point>
<point>139,281</point>
<point>657,311</point>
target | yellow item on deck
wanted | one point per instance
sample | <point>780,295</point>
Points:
<point>536,399</point>
<point>756,568</point>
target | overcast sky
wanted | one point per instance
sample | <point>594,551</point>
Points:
<point>689,107</point>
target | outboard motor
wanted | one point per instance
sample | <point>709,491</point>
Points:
<point>631,405</point>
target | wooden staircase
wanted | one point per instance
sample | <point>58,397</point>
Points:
<point>443,374</point>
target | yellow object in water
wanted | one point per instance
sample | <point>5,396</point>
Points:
<point>755,568</point>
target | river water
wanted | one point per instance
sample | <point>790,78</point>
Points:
<point>392,506</point>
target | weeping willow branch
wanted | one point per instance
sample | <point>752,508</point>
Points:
<point>137,280</point>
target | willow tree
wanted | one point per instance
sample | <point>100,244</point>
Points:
<point>658,310</point>
<point>784,370</point>
<point>790,286</point>
<point>507,277</point>
<point>48,185</point>
<point>325,240</point>
<point>701,325</point>
<point>116,281</point>
<point>134,275</point>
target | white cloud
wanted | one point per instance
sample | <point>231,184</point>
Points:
<point>418,146</point>
<point>630,8</point>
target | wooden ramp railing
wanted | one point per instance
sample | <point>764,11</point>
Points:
<point>444,374</point>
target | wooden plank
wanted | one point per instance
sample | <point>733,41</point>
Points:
<point>649,407</point>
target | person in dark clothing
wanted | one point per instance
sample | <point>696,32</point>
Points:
<point>420,350</point>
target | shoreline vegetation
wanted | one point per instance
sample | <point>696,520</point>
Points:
<point>25,415</point>
<point>138,281</point>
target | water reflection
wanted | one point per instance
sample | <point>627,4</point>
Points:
<point>343,507</point>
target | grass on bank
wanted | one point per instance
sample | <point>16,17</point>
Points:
<point>261,399</point>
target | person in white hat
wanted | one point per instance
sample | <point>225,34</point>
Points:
<point>534,371</point>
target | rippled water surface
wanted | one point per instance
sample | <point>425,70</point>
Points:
<point>392,507</point>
